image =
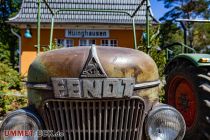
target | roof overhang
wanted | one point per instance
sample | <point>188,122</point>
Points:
<point>25,17</point>
<point>32,25</point>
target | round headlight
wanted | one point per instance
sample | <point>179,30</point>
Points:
<point>20,125</point>
<point>165,123</point>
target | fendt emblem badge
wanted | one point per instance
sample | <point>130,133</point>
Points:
<point>93,67</point>
<point>93,82</point>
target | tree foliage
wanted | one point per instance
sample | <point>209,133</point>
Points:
<point>10,102</point>
<point>201,36</point>
<point>158,56</point>
<point>198,33</point>
<point>189,9</point>
<point>8,8</point>
<point>171,33</point>
<point>9,78</point>
<point>5,53</point>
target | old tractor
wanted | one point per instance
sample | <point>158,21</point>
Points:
<point>188,87</point>
<point>93,93</point>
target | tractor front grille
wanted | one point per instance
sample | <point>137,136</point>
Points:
<point>117,119</point>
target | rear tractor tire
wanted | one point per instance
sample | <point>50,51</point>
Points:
<point>188,90</point>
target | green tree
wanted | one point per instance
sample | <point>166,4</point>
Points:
<point>9,78</point>
<point>201,36</point>
<point>186,9</point>
<point>189,9</point>
<point>158,56</point>
<point>171,33</point>
<point>8,8</point>
<point>5,53</point>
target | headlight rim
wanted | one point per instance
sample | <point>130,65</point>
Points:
<point>161,107</point>
<point>25,112</point>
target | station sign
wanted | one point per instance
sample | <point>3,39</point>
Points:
<point>83,33</point>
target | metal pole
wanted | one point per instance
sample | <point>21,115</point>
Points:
<point>134,33</point>
<point>38,26</point>
<point>90,10</point>
<point>192,20</point>
<point>51,33</point>
<point>147,23</point>
<point>185,36</point>
<point>93,10</point>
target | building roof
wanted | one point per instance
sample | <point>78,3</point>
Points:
<point>29,9</point>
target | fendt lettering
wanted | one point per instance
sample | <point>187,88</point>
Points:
<point>89,88</point>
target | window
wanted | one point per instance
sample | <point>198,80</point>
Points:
<point>86,42</point>
<point>109,42</point>
<point>65,42</point>
<point>60,42</point>
<point>69,43</point>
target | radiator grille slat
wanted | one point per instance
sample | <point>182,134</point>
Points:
<point>88,112</point>
<point>138,124</point>
<point>100,121</point>
<point>105,120</point>
<point>67,119</point>
<point>52,117</point>
<point>117,119</point>
<point>72,120</point>
<point>78,122</point>
<point>121,120</point>
<point>46,117</point>
<point>62,119</point>
<point>131,119</point>
<point>83,121</point>
<point>94,121</point>
<point>56,117</point>
<point>111,120</point>
<point>126,120</point>
<point>135,116</point>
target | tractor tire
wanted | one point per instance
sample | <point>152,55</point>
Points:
<point>188,90</point>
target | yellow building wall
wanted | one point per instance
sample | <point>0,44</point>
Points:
<point>29,52</point>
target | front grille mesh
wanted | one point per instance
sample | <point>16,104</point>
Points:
<point>118,119</point>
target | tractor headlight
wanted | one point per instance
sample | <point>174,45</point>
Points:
<point>165,123</point>
<point>20,125</point>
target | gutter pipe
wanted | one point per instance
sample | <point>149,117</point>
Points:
<point>19,48</point>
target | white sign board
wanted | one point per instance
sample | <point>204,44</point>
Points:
<point>82,33</point>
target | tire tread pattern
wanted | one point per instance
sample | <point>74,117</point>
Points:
<point>200,77</point>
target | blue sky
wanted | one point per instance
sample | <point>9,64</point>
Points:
<point>158,8</point>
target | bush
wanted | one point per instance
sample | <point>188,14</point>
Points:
<point>160,59</point>
<point>9,78</point>
<point>158,55</point>
<point>10,102</point>
<point>5,53</point>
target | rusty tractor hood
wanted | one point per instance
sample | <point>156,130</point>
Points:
<point>78,62</point>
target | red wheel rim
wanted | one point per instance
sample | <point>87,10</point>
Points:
<point>181,96</point>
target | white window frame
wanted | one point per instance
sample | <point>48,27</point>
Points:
<point>64,44</point>
<point>87,41</point>
<point>70,45</point>
<point>60,44</point>
<point>109,42</point>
